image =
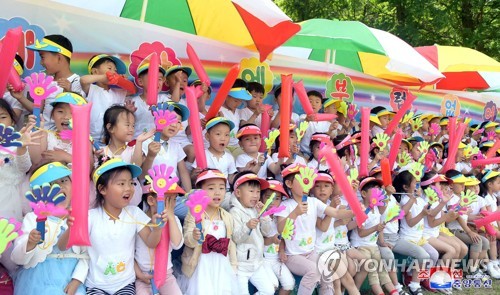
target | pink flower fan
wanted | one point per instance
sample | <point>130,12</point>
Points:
<point>197,202</point>
<point>43,210</point>
<point>377,198</point>
<point>434,129</point>
<point>273,210</point>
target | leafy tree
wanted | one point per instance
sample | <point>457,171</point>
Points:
<point>469,23</point>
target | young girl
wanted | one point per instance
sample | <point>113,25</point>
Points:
<point>118,129</point>
<point>113,228</point>
<point>409,242</point>
<point>144,256</point>
<point>478,244</point>
<point>53,147</point>
<point>325,227</point>
<point>274,246</point>
<point>302,260</point>
<point>210,266</point>
<point>46,269</point>
<point>314,161</point>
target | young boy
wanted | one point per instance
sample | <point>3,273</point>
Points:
<point>365,240</point>
<point>275,120</point>
<point>137,104</point>
<point>229,110</point>
<point>252,114</point>
<point>169,152</point>
<point>218,157</point>
<point>55,53</point>
<point>248,236</point>
<point>97,87</point>
<point>250,140</point>
<point>380,117</point>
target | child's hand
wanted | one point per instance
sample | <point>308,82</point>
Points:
<point>34,238</point>
<point>252,223</point>
<point>70,221</point>
<point>310,117</point>
<point>301,208</point>
<point>259,206</point>
<point>380,226</point>
<point>144,277</point>
<point>196,171</point>
<point>390,190</point>
<point>64,84</point>
<point>335,201</point>
<point>203,123</point>
<point>170,207</point>
<point>452,215</point>
<point>29,138</point>
<point>130,105</point>
<point>153,149</point>
<point>474,236</point>
<point>196,234</point>
<point>283,257</point>
<point>355,184</point>
<point>145,135</point>
<point>16,94</point>
<point>57,155</point>
<point>426,212</point>
<point>72,286</point>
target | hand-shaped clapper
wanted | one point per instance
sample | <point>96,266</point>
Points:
<point>394,213</point>
<point>381,141</point>
<point>164,116</point>
<point>197,202</point>
<point>288,230</point>
<point>306,179</point>
<point>161,182</point>
<point>40,89</point>
<point>43,199</point>
<point>10,229</point>
<point>8,138</point>
<point>352,111</point>
<point>271,138</point>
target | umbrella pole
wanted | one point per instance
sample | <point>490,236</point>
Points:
<point>143,11</point>
<point>327,56</point>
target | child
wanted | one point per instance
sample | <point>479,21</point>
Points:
<point>325,228</point>
<point>137,104</point>
<point>365,237</point>
<point>478,245</point>
<point>230,111</point>
<point>294,158</point>
<point>250,140</point>
<point>98,90</point>
<point>274,252</point>
<point>315,146</point>
<point>55,53</point>
<point>302,260</point>
<point>52,147</point>
<point>275,120</point>
<point>315,99</point>
<point>331,106</point>
<point>218,130</point>
<point>211,269</point>
<point>167,151</point>
<point>380,117</point>
<point>46,269</point>
<point>114,227</point>
<point>252,114</point>
<point>247,234</point>
<point>144,256</point>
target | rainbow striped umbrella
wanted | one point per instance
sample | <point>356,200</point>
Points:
<point>356,46</point>
<point>258,24</point>
<point>464,68</point>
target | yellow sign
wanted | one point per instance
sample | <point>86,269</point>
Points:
<point>450,106</point>
<point>252,70</point>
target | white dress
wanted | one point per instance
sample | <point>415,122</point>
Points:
<point>214,274</point>
<point>13,170</point>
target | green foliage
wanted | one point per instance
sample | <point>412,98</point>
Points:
<point>469,23</point>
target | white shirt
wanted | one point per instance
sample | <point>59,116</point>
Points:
<point>144,118</point>
<point>224,164</point>
<point>462,166</point>
<point>171,155</point>
<point>432,231</point>
<point>235,118</point>
<point>491,200</point>
<point>325,240</point>
<point>371,239</point>
<point>314,164</point>
<point>101,100</point>
<point>341,230</point>
<point>413,233</point>
<point>181,136</point>
<point>298,160</point>
<point>478,205</point>
<point>145,256</point>
<point>312,128</point>
<point>454,225</point>
<point>393,226</point>
<point>246,113</point>
<point>47,111</point>
<point>243,159</point>
<point>305,226</point>
<point>111,265</point>
<point>376,130</point>
<point>293,120</point>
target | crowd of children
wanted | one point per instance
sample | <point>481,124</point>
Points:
<point>238,250</point>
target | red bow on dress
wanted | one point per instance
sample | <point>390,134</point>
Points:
<point>212,244</point>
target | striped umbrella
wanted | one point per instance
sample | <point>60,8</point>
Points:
<point>258,24</point>
<point>356,46</point>
<point>464,68</point>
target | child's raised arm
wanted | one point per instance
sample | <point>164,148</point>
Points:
<point>88,80</point>
<point>338,213</point>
